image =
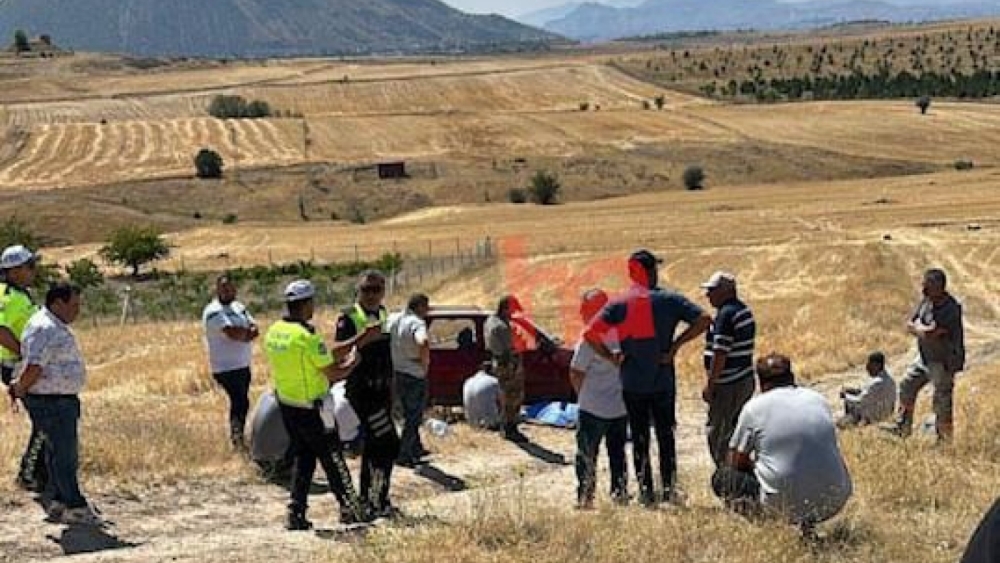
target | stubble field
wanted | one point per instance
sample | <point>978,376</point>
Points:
<point>828,257</point>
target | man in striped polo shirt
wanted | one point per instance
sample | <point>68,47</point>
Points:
<point>728,362</point>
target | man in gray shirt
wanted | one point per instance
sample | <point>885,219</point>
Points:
<point>937,325</point>
<point>874,401</point>
<point>411,358</point>
<point>784,459</point>
<point>481,399</point>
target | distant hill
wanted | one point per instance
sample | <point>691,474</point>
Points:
<point>256,28</point>
<point>540,18</point>
<point>593,22</point>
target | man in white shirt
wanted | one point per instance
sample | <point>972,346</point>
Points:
<point>50,384</point>
<point>411,357</point>
<point>229,332</point>
<point>875,401</point>
<point>784,459</point>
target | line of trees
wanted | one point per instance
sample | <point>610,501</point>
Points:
<point>855,86</point>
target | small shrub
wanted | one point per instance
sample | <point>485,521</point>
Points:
<point>544,188</point>
<point>84,273</point>
<point>646,105</point>
<point>660,101</point>
<point>923,103</point>
<point>694,178</point>
<point>584,106</point>
<point>517,195</point>
<point>964,165</point>
<point>208,164</point>
<point>230,218</point>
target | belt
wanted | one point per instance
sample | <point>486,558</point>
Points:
<point>46,397</point>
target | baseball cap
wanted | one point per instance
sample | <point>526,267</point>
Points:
<point>14,256</point>
<point>299,290</point>
<point>645,258</point>
<point>592,302</point>
<point>719,279</point>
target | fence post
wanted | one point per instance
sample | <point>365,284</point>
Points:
<point>126,305</point>
<point>357,255</point>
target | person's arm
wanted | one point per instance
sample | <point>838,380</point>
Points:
<point>596,332</point>
<point>423,341</point>
<point>26,380</point>
<point>335,372</point>
<point>9,341</point>
<point>742,443</point>
<point>348,337</point>
<point>723,335</point>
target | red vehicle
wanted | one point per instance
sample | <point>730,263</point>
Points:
<point>458,348</point>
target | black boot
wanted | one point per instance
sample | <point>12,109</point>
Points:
<point>297,521</point>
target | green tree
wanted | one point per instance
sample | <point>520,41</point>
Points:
<point>544,188</point>
<point>694,178</point>
<point>21,43</point>
<point>208,164</point>
<point>134,246</point>
<point>923,103</point>
<point>84,273</point>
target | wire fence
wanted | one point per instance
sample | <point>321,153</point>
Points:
<point>181,296</point>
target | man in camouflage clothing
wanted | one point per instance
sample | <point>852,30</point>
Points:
<point>507,364</point>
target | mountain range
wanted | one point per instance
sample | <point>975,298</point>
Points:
<point>261,28</point>
<point>596,22</point>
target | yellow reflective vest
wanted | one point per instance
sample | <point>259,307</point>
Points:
<point>297,356</point>
<point>16,308</point>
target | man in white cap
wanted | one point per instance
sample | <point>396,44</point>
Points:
<point>17,265</point>
<point>729,350</point>
<point>303,369</point>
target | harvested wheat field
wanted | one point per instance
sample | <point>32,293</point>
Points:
<point>831,270</point>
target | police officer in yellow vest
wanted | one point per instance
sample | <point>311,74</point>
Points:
<point>369,388</point>
<point>17,265</point>
<point>303,369</point>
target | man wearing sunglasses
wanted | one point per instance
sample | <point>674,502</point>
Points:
<point>369,388</point>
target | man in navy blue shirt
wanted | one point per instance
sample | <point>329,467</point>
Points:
<point>729,348</point>
<point>646,320</point>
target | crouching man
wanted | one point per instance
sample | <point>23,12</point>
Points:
<point>784,460</point>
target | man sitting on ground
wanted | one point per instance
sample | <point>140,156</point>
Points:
<point>873,402</point>
<point>481,399</point>
<point>784,459</point>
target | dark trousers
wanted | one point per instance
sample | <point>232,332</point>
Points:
<point>236,383</point>
<point>657,408</point>
<point>57,417</point>
<point>411,392</point>
<point>33,465</point>
<point>379,453</point>
<point>590,431</point>
<point>312,443</point>
<point>984,546</point>
<point>723,414</point>
<point>739,489</point>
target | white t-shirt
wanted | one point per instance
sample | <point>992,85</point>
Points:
<point>348,423</point>
<point>224,353</point>
<point>407,332</point>
<point>790,433</point>
<point>601,392</point>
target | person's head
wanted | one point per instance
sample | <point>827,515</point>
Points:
<point>719,288</point>
<point>300,300</point>
<point>486,367</point>
<point>225,289</point>
<point>18,265</point>
<point>419,304</point>
<point>876,363</point>
<point>935,283</point>
<point>507,306</point>
<point>466,339</point>
<point>63,300</point>
<point>643,268</point>
<point>591,303</point>
<point>371,289</point>
<point>775,370</point>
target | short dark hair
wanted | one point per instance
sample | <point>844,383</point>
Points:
<point>418,300</point>
<point>295,307</point>
<point>370,274</point>
<point>937,276</point>
<point>877,358</point>
<point>61,291</point>
<point>223,278</point>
